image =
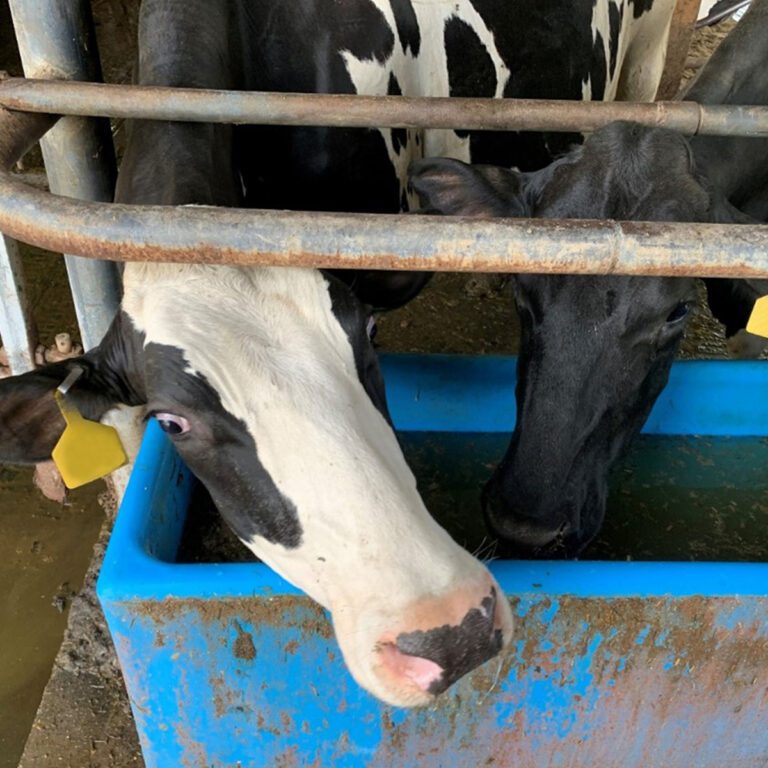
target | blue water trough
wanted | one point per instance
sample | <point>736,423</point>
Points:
<point>631,664</point>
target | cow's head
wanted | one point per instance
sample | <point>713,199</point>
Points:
<point>595,351</point>
<point>268,385</point>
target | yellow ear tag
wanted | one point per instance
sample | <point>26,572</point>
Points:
<point>87,450</point>
<point>758,320</point>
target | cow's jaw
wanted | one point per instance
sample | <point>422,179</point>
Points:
<point>267,344</point>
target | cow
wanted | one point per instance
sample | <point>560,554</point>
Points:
<point>595,351</point>
<point>265,379</point>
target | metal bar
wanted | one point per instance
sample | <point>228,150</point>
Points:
<point>197,234</point>
<point>713,18</point>
<point>680,35</point>
<point>15,317</point>
<point>56,40</point>
<point>215,106</point>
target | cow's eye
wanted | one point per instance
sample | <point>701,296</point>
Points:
<point>172,424</point>
<point>679,312</point>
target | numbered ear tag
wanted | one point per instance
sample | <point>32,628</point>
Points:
<point>87,450</point>
<point>758,320</point>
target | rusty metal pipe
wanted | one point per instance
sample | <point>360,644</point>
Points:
<point>196,234</point>
<point>193,234</point>
<point>343,110</point>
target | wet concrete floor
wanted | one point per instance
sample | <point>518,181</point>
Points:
<point>44,550</point>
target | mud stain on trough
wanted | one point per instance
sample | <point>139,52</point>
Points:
<point>243,647</point>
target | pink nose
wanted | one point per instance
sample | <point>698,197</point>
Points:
<point>423,673</point>
<point>433,658</point>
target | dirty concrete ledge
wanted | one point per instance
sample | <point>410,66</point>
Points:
<point>84,719</point>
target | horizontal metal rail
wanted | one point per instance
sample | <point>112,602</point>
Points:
<point>343,110</point>
<point>195,234</point>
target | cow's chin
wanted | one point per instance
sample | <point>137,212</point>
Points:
<point>552,533</point>
<point>407,657</point>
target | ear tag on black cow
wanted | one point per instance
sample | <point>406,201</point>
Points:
<point>758,320</point>
<point>86,450</point>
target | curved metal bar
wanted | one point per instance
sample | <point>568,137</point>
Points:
<point>195,234</point>
<point>344,110</point>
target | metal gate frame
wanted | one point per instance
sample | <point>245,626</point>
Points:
<point>57,41</point>
<point>201,234</point>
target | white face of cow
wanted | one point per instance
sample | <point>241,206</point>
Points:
<point>254,373</point>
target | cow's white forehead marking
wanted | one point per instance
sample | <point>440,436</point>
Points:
<point>267,341</point>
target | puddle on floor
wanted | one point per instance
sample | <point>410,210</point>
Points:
<point>44,550</point>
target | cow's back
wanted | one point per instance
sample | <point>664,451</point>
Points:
<point>558,49</point>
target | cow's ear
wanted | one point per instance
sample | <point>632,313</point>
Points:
<point>388,290</point>
<point>722,211</point>
<point>30,421</point>
<point>454,188</point>
<point>731,301</point>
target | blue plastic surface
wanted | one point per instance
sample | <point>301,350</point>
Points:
<point>599,644</point>
<point>456,393</point>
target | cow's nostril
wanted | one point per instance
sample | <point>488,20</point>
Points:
<point>425,674</point>
<point>454,650</point>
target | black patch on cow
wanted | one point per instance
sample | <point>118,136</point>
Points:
<point>220,451</point>
<point>353,318</point>
<point>615,17</point>
<point>639,7</point>
<point>598,67</point>
<point>457,649</point>
<point>547,46</point>
<point>298,47</point>
<point>399,135</point>
<point>470,67</point>
<point>407,26</point>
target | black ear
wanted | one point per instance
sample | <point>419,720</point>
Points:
<point>731,301</point>
<point>30,422</point>
<point>388,290</point>
<point>454,188</point>
<point>723,212</point>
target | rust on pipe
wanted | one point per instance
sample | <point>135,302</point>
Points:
<point>344,110</point>
<point>197,234</point>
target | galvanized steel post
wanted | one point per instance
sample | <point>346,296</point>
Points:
<point>56,40</point>
<point>15,317</point>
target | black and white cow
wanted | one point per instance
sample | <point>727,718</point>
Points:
<point>596,351</point>
<point>265,378</point>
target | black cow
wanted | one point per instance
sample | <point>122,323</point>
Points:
<point>596,351</point>
<point>265,378</point>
